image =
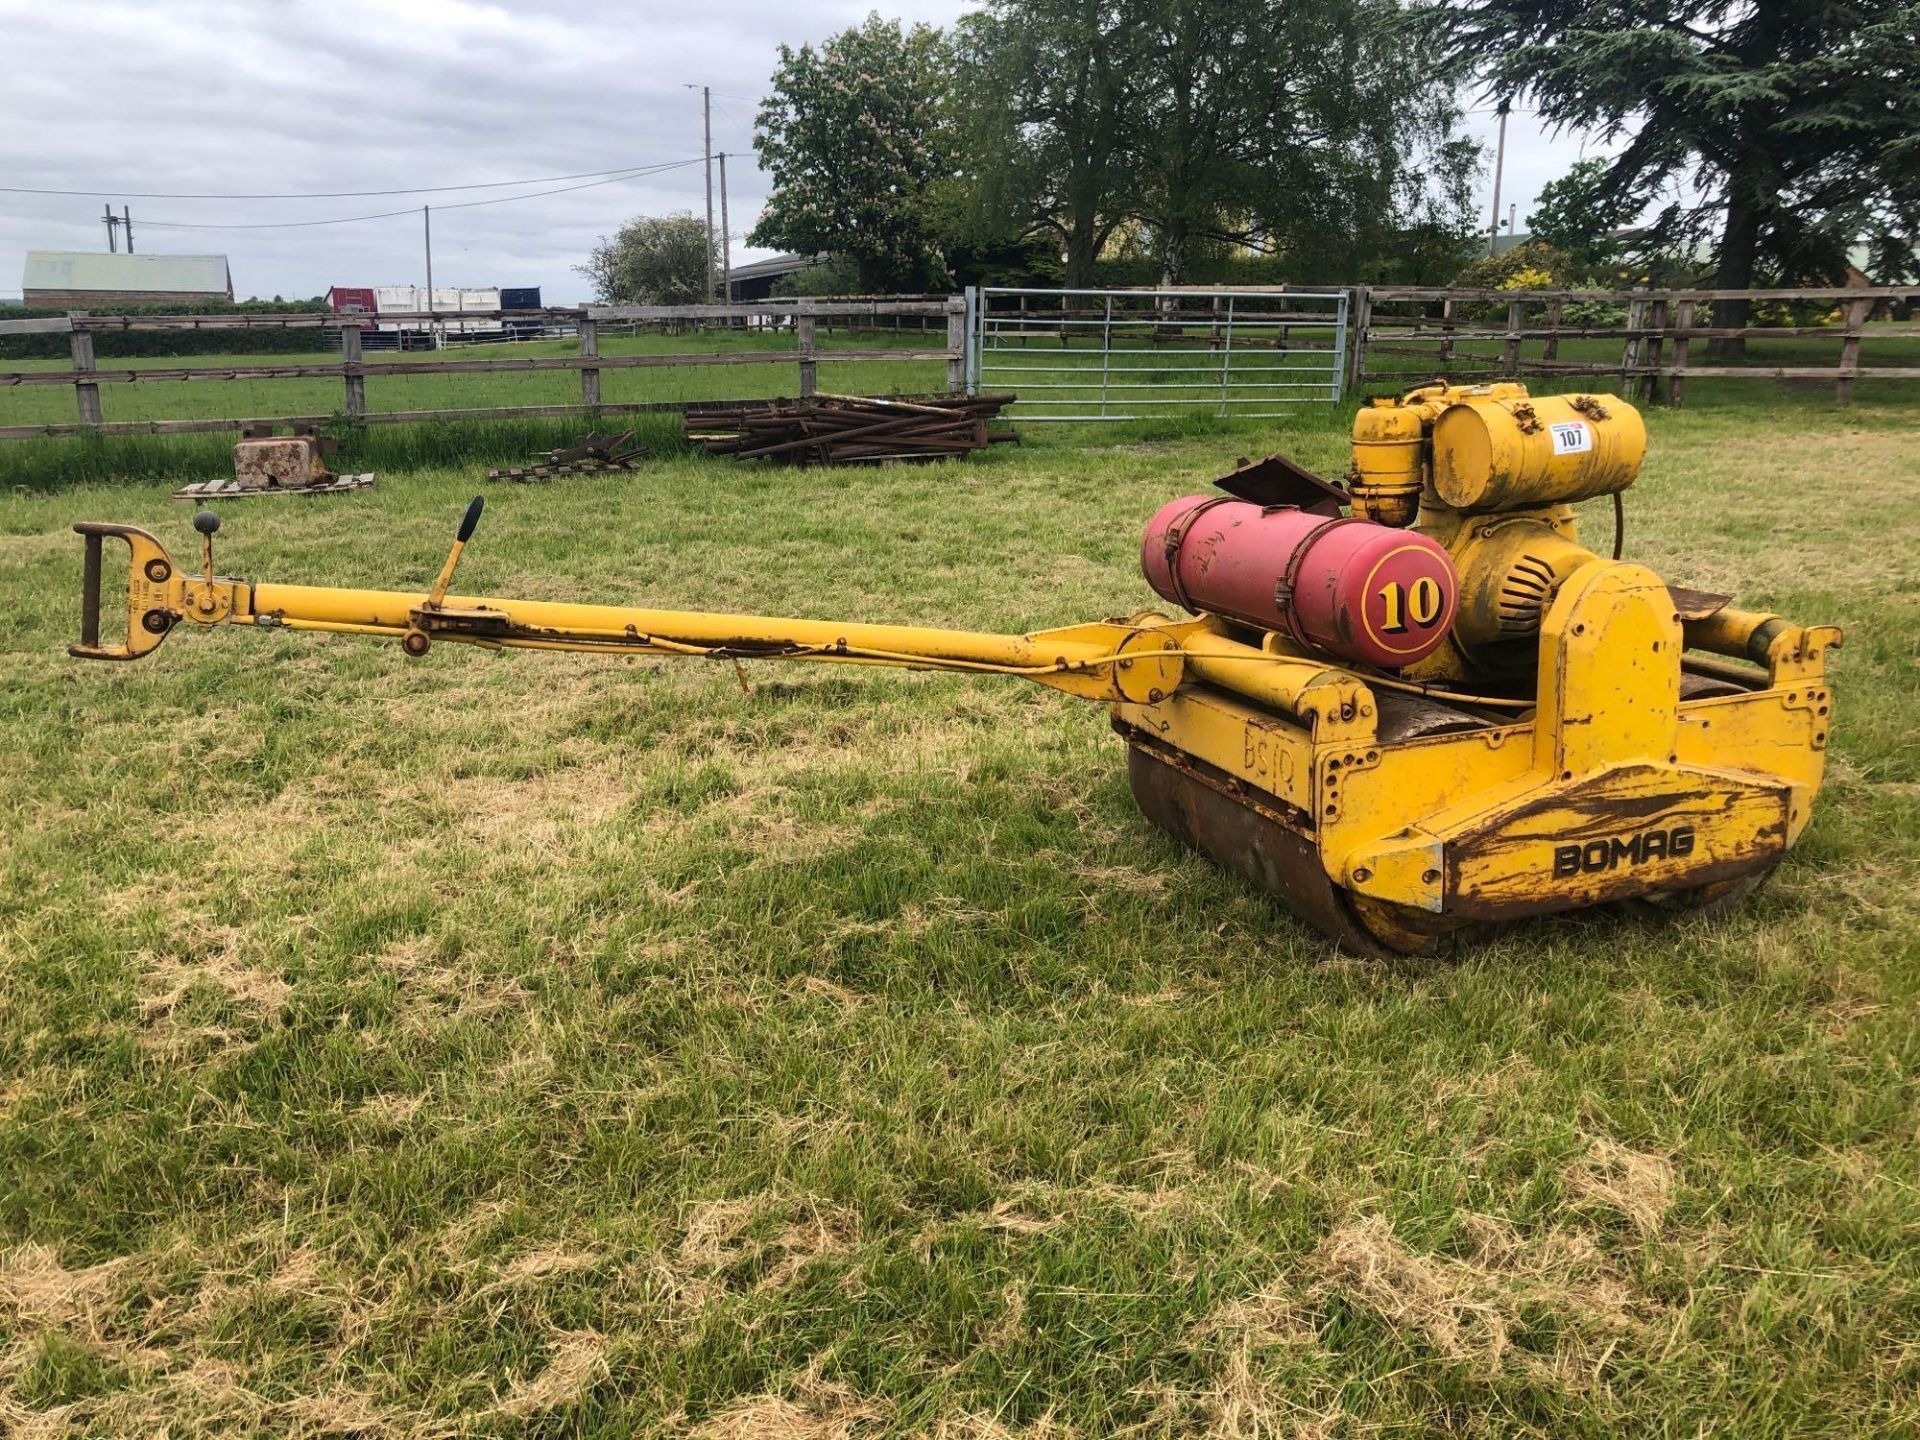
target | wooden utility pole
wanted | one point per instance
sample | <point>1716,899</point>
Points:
<point>726,238</point>
<point>706,115</point>
<point>126,219</point>
<point>112,222</point>
<point>1499,163</point>
<point>426,222</point>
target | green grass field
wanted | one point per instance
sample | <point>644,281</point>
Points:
<point>513,1045</point>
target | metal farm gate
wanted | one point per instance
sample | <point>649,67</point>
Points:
<point>1090,355</point>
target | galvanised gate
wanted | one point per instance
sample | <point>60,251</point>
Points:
<point>1091,355</point>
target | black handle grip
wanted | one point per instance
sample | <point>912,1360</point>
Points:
<point>90,595</point>
<point>472,518</point>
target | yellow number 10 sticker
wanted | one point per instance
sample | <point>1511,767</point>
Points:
<point>1421,604</point>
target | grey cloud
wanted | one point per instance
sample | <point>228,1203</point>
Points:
<point>225,95</point>
<point>220,95</point>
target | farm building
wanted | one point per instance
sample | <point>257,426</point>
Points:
<point>87,280</point>
<point>756,281</point>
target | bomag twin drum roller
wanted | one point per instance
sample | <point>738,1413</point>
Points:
<point>1401,707</point>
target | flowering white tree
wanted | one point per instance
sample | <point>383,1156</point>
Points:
<point>853,138</point>
<point>654,260</point>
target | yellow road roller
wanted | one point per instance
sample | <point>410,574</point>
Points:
<point>1405,705</point>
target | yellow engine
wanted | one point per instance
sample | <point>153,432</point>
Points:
<point>1492,473</point>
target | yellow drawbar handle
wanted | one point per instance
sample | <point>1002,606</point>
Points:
<point>465,533</point>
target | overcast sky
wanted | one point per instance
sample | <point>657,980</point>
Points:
<point>255,96</point>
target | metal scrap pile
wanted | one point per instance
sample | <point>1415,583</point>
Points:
<point>836,429</point>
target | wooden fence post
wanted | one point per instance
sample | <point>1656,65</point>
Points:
<point>1510,347</point>
<point>803,334</point>
<point>356,380</point>
<point>1650,382</point>
<point>85,395</point>
<point>589,348</point>
<point>1682,325</point>
<point>1855,313</point>
<point>1359,322</point>
<point>1551,350</point>
<point>956,346</point>
<point>1630,348</point>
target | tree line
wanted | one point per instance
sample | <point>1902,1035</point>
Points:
<point>1036,136</point>
<point>1747,142</point>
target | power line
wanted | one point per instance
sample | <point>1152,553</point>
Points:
<point>730,115</point>
<point>389,214</point>
<point>314,194</point>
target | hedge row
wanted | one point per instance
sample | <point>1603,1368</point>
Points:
<point>130,344</point>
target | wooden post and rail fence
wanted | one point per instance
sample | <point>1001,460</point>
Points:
<point>1410,333</point>
<point>1399,334</point>
<point>86,375</point>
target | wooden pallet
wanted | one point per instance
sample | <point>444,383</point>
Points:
<point>534,474</point>
<point>234,490</point>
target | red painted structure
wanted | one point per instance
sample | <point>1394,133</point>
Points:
<point>351,300</point>
<point>1341,585</point>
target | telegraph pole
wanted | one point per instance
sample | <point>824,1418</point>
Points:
<point>126,219</point>
<point>426,221</point>
<point>1499,162</point>
<point>112,222</point>
<point>726,237</point>
<point>706,111</point>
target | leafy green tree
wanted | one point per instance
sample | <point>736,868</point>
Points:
<point>1579,213</point>
<point>1298,129</point>
<point>854,138</point>
<point>1532,257</point>
<point>1303,128</point>
<point>1791,128</point>
<point>1049,109</point>
<point>653,260</point>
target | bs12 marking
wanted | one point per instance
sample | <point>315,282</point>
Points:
<point>1571,437</point>
<point>1599,855</point>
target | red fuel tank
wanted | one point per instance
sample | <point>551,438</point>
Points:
<point>1344,586</point>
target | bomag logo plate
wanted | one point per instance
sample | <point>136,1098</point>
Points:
<point>1597,855</point>
<point>1621,833</point>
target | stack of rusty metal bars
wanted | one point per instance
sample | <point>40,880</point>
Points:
<point>838,429</point>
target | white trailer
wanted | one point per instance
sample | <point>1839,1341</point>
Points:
<point>448,304</point>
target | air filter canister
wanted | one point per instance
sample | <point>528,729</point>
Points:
<point>1345,586</point>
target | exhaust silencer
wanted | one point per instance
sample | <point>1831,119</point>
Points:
<point>1343,586</point>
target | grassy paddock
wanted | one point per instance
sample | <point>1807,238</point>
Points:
<point>390,386</point>
<point>1171,370</point>
<point>521,1045</point>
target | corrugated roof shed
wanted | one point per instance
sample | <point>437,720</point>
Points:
<point>775,265</point>
<point>92,271</point>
